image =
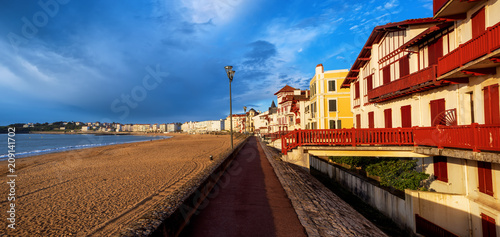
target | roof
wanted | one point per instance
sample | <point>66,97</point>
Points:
<point>294,98</point>
<point>286,88</point>
<point>377,34</point>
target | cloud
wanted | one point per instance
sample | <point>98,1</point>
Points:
<point>260,53</point>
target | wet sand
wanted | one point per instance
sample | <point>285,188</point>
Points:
<point>102,191</point>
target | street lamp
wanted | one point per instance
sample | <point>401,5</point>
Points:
<point>230,75</point>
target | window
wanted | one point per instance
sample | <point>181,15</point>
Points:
<point>371,120</point>
<point>388,118</point>
<point>406,116</point>
<point>484,177</point>
<point>332,124</point>
<point>339,124</point>
<point>358,120</point>
<point>332,105</point>
<point>386,75</point>
<point>404,66</point>
<point>332,85</point>
<point>435,51</point>
<point>313,89</point>
<point>369,82</point>
<point>488,224</point>
<point>437,107</point>
<point>478,23</point>
<point>356,90</point>
<point>491,105</point>
<point>440,168</point>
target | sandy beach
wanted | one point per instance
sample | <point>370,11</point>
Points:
<point>99,191</point>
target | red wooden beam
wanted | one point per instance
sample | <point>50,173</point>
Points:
<point>481,71</point>
<point>495,59</point>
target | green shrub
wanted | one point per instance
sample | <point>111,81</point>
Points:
<point>399,174</point>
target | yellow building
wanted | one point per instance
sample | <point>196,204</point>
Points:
<point>330,106</point>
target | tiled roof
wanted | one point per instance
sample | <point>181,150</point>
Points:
<point>286,88</point>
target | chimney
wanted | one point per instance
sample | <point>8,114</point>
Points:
<point>319,69</point>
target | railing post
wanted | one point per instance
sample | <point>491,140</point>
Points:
<point>353,136</point>
<point>475,136</point>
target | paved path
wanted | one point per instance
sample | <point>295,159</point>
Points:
<point>261,196</point>
<point>321,212</point>
<point>248,201</point>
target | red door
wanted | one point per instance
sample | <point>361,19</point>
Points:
<point>491,105</point>
<point>437,107</point>
<point>388,118</point>
<point>478,23</point>
<point>406,116</point>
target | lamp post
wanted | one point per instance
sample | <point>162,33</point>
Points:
<point>230,74</point>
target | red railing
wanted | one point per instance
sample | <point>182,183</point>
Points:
<point>274,136</point>
<point>425,75</point>
<point>473,137</point>
<point>347,137</point>
<point>470,50</point>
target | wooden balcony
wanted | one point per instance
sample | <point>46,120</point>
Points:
<point>485,44</point>
<point>473,137</point>
<point>416,81</point>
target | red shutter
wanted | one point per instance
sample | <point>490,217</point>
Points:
<point>371,120</point>
<point>440,168</point>
<point>406,116</point>
<point>485,179</point>
<point>369,83</point>
<point>491,105</point>
<point>388,118</point>
<point>489,227</point>
<point>358,120</point>
<point>404,66</point>
<point>478,23</point>
<point>435,51</point>
<point>386,74</point>
<point>356,90</point>
<point>437,107</point>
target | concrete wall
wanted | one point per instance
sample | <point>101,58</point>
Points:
<point>390,205</point>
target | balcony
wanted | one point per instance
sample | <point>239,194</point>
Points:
<point>416,81</point>
<point>473,137</point>
<point>452,8</point>
<point>486,44</point>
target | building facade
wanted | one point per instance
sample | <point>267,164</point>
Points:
<point>329,105</point>
<point>439,72</point>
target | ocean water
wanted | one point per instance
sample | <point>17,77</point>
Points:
<point>37,144</point>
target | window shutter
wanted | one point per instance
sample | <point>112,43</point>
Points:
<point>404,66</point>
<point>371,120</point>
<point>478,23</point>
<point>358,120</point>
<point>406,116</point>
<point>339,124</point>
<point>386,72</point>
<point>485,179</point>
<point>488,224</point>
<point>491,105</point>
<point>388,118</point>
<point>356,90</point>
<point>440,168</point>
<point>369,83</point>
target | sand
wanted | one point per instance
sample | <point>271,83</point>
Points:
<point>100,191</point>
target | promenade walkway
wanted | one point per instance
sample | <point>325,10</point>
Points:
<point>255,199</point>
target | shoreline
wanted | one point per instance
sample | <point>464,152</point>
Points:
<point>27,154</point>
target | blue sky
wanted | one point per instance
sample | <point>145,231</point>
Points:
<point>161,61</point>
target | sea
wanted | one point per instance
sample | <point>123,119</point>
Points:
<point>36,144</point>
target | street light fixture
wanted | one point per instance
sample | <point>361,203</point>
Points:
<point>230,75</point>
